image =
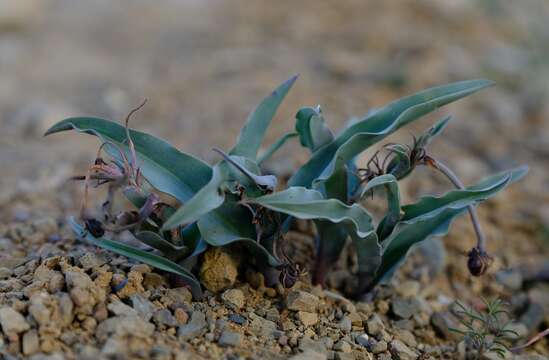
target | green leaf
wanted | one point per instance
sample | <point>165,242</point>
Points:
<point>368,251</point>
<point>330,242</point>
<point>157,242</point>
<point>232,224</point>
<point>252,134</point>
<point>275,147</point>
<point>429,205</point>
<point>405,235</point>
<point>312,129</point>
<point>166,168</point>
<point>432,216</point>
<point>151,259</point>
<point>309,204</point>
<point>433,131</point>
<point>376,126</point>
<point>243,166</point>
<point>331,237</point>
<point>390,186</point>
<point>209,198</point>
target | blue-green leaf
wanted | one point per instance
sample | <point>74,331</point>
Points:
<point>368,251</point>
<point>312,129</point>
<point>331,237</point>
<point>252,134</point>
<point>232,224</point>
<point>432,216</point>
<point>390,186</point>
<point>309,204</point>
<point>405,235</point>
<point>209,198</point>
<point>330,242</point>
<point>376,126</point>
<point>157,242</point>
<point>166,168</point>
<point>429,205</point>
<point>433,131</point>
<point>151,259</point>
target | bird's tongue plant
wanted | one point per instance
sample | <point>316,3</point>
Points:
<point>232,202</point>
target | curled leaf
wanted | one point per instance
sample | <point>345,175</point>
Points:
<point>309,204</point>
<point>390,185</point>
<point>377,125</point>
<point>432,216</point>
<point>312,129</point>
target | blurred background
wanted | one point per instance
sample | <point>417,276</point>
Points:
<point>203,65</point>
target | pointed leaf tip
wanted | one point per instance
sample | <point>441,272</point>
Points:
<point>63,125</point>
<point>253,132</point>
<point>166,168</point>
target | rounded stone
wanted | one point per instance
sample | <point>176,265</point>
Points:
<point>219,270</point>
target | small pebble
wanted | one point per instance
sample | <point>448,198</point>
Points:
<point>302,301</point>
<point>343,346</point>
<point>230,338</point>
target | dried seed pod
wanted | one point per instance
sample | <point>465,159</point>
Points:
<point>478,261</point>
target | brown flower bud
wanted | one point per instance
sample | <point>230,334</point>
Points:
<point>478,261</point>
<point>94,227</point>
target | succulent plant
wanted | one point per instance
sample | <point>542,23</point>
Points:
<point>233,202</point>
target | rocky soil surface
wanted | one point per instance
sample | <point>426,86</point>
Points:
<point>203,65</point>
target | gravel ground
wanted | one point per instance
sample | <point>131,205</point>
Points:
<point>203,66</point>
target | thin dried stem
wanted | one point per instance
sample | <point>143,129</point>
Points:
<point>445,170</point>
<point>531,341</point>
<point>130,142</point>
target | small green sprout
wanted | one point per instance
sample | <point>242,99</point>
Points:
<point>233,203</point>
<point>486,331</point>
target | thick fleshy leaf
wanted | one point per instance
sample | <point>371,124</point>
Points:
<point>209,198</point>
<point>312,129</point>
<point>514,174</point>
<point>390,186</point>
<point>232,224</point>
<point>157,242</point>
<point>406,234</point>
<point>190,236</point>
<point>429,205</point>
<point>433,131</point>
<point>330,242</point>
<point>432,216</point>
<point>151,259</point>
<point>368,251</point>
<point>331,237</point>
<point>376,126</point>
<point>252,134</point>
<point>242,164</point>
<point>354,183</point>
<point>309,204</point>
<point>166,168</point>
